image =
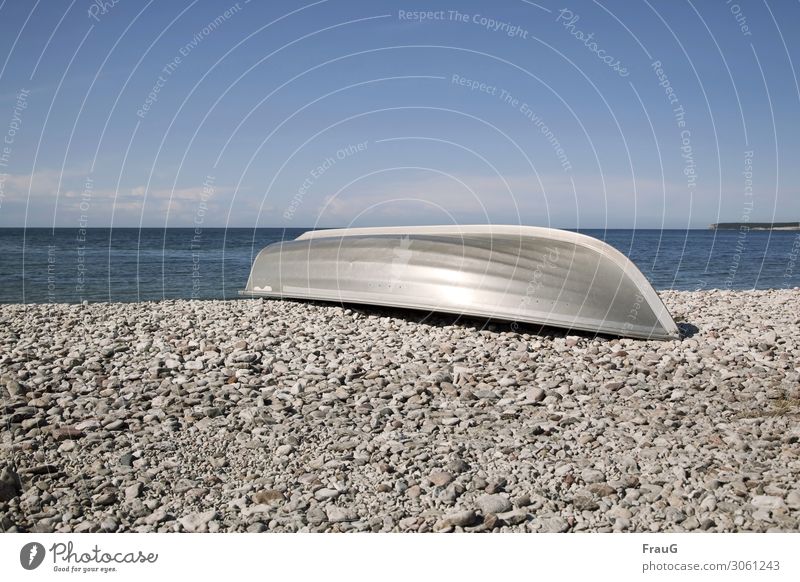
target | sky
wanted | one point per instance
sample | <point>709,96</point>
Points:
<point>606,114</point>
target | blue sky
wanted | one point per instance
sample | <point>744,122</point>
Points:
<point>573,114</point>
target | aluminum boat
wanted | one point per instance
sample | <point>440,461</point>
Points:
<point>515,273</point>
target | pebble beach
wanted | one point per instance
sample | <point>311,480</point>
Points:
<point>260,415</point>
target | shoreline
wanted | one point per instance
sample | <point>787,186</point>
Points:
<point>259,415</point>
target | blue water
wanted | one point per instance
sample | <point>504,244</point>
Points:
<point>41,264</point>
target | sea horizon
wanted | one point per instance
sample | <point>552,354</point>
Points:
<point>72,265</point>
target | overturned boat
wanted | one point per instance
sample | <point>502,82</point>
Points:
<point>516,273</point>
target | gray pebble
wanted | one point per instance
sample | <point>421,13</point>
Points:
<point>493,504</point>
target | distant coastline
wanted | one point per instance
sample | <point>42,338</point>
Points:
<point>755,225</point>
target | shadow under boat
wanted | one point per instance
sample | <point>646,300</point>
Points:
<point>441,319</point>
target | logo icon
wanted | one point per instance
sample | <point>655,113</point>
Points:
<point>31,555</point>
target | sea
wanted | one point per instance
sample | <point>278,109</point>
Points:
<point>39,265</point>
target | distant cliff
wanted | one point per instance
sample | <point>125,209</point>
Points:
<point>755,225</point>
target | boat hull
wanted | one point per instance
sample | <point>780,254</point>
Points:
<point>516,273</point>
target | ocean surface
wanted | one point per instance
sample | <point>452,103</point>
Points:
<point>45,265</point>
